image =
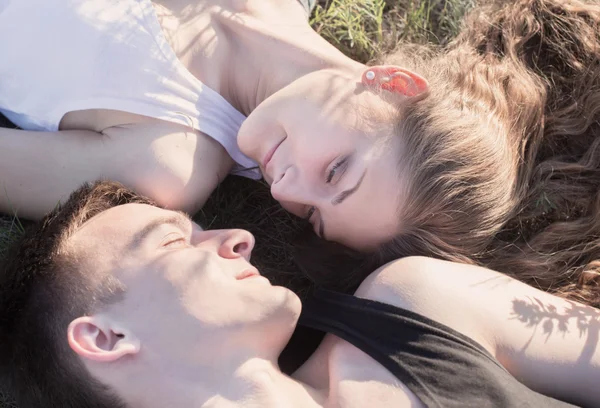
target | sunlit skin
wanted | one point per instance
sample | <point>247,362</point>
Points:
<point>334,166</point>
<point>151,250</point>
<point>325,144</point>
<point>198,326</point>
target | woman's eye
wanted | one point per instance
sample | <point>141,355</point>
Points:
<point>309,213</point>
<point>337,169</point>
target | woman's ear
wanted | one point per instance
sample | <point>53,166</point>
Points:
<point>395,79</point>
<point>98,339</point>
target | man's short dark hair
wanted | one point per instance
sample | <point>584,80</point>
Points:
<point>41,291</point>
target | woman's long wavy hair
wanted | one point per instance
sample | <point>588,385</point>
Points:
<point>504,152</point>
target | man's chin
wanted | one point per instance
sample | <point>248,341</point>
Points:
<point>288,302</point>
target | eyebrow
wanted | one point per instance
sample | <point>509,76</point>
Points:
<point>340,199</point>
<point>347,193</point>
<point>179,219</point>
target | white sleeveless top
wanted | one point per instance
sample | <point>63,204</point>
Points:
<point>119,59</point>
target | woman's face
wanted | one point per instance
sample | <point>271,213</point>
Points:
<point>321,145</point>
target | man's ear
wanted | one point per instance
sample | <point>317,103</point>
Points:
<point>98,339</point>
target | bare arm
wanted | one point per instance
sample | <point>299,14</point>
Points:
<point>177,167</point>
<point>548,343</point>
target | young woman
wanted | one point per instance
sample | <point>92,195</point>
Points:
<point>441,153</point>
<point>150,94</point>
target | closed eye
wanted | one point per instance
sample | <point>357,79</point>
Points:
<point>173,240</point>
<point>309,215</point>
<point>337,170</point>
<point>310,212</point>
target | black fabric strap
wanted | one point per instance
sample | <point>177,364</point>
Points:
<point>441,366</point>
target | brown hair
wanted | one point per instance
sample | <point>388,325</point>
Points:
<point>42,290</point>
<point>504,152</point>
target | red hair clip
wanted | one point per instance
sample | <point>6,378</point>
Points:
<point>390,79</point>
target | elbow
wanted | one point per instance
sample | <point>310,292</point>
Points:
<point>174,192</point>
<point>179,196</point>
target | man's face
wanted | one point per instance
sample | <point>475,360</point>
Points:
<point>191,295</point>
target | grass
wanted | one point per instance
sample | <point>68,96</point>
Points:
<point>362,29</point>
<point>355,27</point>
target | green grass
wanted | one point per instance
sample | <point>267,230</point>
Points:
<point>362,29</point>
<point>355,27</point>
<point>365,29</point>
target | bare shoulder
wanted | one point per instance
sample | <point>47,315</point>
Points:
<point>422,274</point>
<point>356,380</point>
<point>452,294</point>
<point>541,339</point>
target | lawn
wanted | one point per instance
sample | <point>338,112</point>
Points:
<point>363,29</point>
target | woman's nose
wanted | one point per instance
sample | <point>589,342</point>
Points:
<point>236,243</point>
<point>295,194</point>
<point>289,189</point>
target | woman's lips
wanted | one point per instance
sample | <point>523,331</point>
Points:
<point>270,154</point>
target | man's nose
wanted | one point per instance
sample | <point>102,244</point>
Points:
<point>236,243</point>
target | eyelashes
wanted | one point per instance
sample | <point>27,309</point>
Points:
<point>336,171</point>
<point>310,213</point>
<point>339,167</point>
<point>173,240</point>
<point>176,241</point>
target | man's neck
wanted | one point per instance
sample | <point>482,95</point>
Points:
<point>257,382</point>
<point>271,388</point>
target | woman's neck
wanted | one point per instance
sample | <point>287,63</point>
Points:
<point>246,50</point>
<point>266,57</point>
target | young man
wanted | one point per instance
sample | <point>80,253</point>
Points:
<point>113,302</point>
